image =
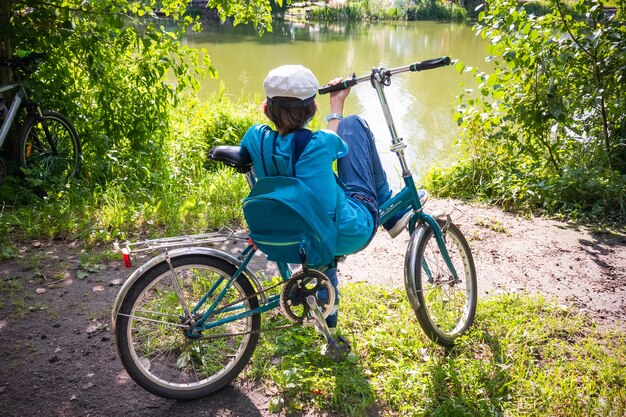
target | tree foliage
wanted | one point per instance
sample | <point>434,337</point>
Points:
<point>116,68</point>
<point>547,129</point>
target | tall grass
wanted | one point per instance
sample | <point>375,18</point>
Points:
<point>185,194</point>
<point>376,10</point>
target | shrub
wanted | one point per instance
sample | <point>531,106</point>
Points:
<point>545,131</point>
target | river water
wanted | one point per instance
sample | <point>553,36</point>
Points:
<point>422,103</point>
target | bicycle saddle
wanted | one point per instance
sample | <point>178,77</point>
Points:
<point>233,156</point>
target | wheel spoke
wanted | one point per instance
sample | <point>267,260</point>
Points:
<point>160,349</point>
<point>446,305</point>
<point>52,155</point>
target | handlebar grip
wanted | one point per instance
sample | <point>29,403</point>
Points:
<point>430,64</point>
<point>337,87</point>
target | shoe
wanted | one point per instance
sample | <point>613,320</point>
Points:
<point>399,222</point>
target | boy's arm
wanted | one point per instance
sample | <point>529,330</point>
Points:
<point>337,100</point>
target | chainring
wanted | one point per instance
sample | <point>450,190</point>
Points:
<point>295,291</point>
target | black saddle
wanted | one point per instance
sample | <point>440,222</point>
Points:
<point>233,156</point>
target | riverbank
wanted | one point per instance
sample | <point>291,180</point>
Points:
<point>363,11</point>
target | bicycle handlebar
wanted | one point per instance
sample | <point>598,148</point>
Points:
<point>341,86</point>
<point>430,64</point>
<point>417,66</point>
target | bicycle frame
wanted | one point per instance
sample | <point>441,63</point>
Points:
<point>20,98</point>
<point>15,106</point>
<point>408,196</point>
<point>265,303</point>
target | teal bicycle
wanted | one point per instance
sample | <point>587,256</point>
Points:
<point>188,320</point>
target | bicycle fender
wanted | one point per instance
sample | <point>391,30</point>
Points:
<point>410,267</point>
<point>117,303</point>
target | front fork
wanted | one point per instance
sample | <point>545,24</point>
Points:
<point>439,233</point>
<point>46,130</point>
<point>410,261</point>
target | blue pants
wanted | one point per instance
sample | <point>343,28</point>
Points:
<point>361,170</point>
<point>362,173</point>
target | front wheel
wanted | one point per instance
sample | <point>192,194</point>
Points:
<point>48,147</point>
<point>445,306</point>
<point>158,345</point>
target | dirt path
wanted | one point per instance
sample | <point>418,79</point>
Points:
<point>537,255</point>
<point>59,358</point>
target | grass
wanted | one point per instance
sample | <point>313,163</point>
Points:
<point>372,10</point>
<point>12,291</point>
<point>183,194</point>
<point>525,356</point>
<point>491,224</point>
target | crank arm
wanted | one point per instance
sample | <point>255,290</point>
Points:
<point>319,317</point>
<point>337,348</point>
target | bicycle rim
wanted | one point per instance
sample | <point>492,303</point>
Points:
<point>152,340</point>
<point>37,155</point>
<point>447,307</point>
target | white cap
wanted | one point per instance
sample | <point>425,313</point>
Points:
<point>293,81</point>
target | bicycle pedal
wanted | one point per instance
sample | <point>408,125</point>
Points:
<point>337,349</point>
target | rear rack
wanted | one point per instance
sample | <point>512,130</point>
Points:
<point>166,243</point>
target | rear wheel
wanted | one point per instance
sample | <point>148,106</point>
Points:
<point>446,306</point>
<point>48,147</point>
<point>156,340</point>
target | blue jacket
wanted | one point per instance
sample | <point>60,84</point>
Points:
<point>315,169</point>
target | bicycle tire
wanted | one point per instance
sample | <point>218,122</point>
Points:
<point>445,309</point>
<point>158,354</point>
<point>35,153</point>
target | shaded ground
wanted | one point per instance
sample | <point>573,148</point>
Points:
<point>59,357</point>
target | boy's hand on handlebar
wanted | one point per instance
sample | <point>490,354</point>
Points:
<point>337,98</point>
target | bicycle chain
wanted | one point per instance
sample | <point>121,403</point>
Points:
<point>264,290</point>
<point>295,276</point>
<point>223,335</point>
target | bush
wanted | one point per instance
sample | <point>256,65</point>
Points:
<point>400,10</point>
<point>545,130</point>
<point>177,195</point>
<point>435,10</point>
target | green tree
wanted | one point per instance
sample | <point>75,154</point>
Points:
<point>110,65</point>
<point>547,130</point>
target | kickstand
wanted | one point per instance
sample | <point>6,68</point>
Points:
<point>337,348</point>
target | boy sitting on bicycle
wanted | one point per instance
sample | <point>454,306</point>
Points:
<point>290,106</point>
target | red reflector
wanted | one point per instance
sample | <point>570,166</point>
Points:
<point>126,257</point>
